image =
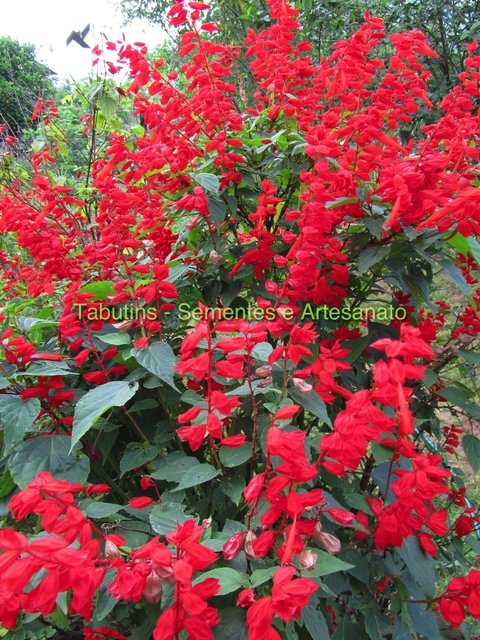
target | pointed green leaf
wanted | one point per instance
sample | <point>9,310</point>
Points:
<point>97,401</point>
<point>474,246</point>
<point>471,446</point>
<point>159,359</point>
<point>209,181</point>
<point>312,402</point>
<point>371,256</point>
<point>136,455</point>
<point>198,475</point>
<point>234,456</point>
<point>327,564</point>
<point>17,417</point>
<point>456,276</point>
<point>174,466</point>
<point>165,517</point>
<point>47,453</point>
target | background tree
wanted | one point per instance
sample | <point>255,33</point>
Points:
<point>22,81</point>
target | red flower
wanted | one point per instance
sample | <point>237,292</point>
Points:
<point>141,502</point>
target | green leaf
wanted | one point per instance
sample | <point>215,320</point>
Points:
<point>456,276</point>
<point>218,210</point>
<point>136,455</point>
<point>28,324</point>
<point>117,339</point>
<point>230,580</point>
<point>312,402</point>
<point>474,247</point>
<point>420,566</point>
<point>96,401</point>
<point>174,466</point>
<point>47,369</point>
<point>424,621</point>
<point>47,453</point>
<point>232,625</point>
<point>108,106</point>
<point>469,356</point>
<point>376,625</point>
<point>198,475</point>
<point>17,417</point>
<point>209,181</point>
<point>102,509</point>
<point>100,288</point>
<point>234,456</point>
<point>356,348</point>
<point>340,202</point>
<point>327,564</point>
<point>233,489</point>
<point>159,359</point>
<point>371,256</point>
<point>260,576</point>
<point>314,620</point>
<point>459,398</point>
<point>165,517</point>
<point>4,382</point>
<point>460,243</point>
<point>471,446</point>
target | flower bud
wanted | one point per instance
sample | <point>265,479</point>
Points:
<point>265,383</point>
<point>308,559</point>
<point>329,542</point>
<point>249,540</point>
<point>153,588</point>
<point>301,385</point>
<point>216,258</point>
<point>111,550</point>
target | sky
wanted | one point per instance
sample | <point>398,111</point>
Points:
<point>48,23</point>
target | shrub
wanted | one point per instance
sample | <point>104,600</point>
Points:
<point>231,394</point>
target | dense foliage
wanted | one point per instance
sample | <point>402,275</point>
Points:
<point>232,392</point>
<point>22,81</point>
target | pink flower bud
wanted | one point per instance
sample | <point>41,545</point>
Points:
<point>263,384</point>
<point>216,258</point>
<point>249,540</point>
<point>301,385</point>
<point>111,550</point>
<point>329,542</point>
<point>264,372</point>
<point>153,588</point>
<point>308,559</point>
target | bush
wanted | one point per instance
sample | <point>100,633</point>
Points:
<point>231,395</point>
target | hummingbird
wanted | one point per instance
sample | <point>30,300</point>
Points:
<point>79,37</point>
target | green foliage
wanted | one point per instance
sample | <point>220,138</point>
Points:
<point>22,81</point>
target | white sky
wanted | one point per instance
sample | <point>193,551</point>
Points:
<point>48,23</point>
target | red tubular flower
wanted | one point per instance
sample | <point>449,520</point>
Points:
<point>288,598</point>
<point>461,597</point>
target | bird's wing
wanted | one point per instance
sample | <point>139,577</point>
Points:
<point>79,40</point>
<point>70,38</point>
<point>86,30</point>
